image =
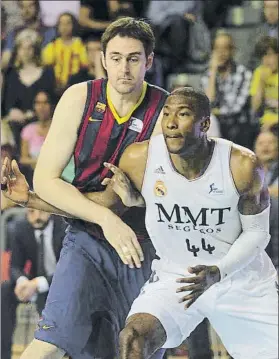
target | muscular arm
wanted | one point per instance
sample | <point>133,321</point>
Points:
<point>55,154</point>
<point>253,208</point>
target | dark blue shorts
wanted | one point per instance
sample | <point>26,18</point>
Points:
<point>90,296</point>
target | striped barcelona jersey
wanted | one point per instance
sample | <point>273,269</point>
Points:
<point>103,136</point>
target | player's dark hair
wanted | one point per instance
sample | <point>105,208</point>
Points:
<point>199,100</point>
<point>133,28</point>
<point>266,43</point>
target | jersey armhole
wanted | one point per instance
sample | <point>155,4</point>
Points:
<point>87,104</point>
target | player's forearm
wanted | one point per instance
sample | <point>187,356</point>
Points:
<point>248,245</point>
<point>36,202</point>
<point>68,199</point>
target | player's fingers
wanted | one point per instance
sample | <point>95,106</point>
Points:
<point>106,181</point>
<point>111,167</point>
<point>15,168</point>
<point>188,288</point>
<point>138,248</point>
<point>189,280</point>
<point>121,254</point>
<point>192,300</point>
<point>130,254</point>
<point>196,269</point>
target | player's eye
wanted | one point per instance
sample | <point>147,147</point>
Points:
<point>166,114</point>
<point>134,60</point>
<point>116,59</point>
<point>184,114</point>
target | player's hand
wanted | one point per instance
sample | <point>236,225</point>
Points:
<point>122,186</point>
<point>13,183</point>
<point>25,290</point>
<point>205,277</point>
<point>123,239</point>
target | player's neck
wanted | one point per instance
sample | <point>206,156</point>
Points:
<point>193,165</point>
<point>124,102</point>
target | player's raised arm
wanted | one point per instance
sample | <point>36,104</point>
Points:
<point>253,208</point>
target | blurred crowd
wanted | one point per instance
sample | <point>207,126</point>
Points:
<point>227,48</point>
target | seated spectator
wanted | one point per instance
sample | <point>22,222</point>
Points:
<point>94,69</point>
<point>94,17</point>
<point>67,53</point>
<point>227,84</point>
<point>269,27</point>
<point>266,149</point>
<point>264,86</point>
<point>34,134</point>
<point>30,12</point>
<point>38,238</point>
<point>171,18</point>
<point>23,82</point>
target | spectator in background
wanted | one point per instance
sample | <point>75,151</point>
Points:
<point>13,15</point>
<point>94,69</point>
<point>268,28</point>
<point>179,31</point>
<point>23,82</point>
<point>34,134</point>
<point>266,149</point>
<point>96,15</point>
<point>227,84</point>
<point>51,10</point>
<point>67,53</point>
<point>30,12</point>
<point>38,238</point>
<point>264,86</point>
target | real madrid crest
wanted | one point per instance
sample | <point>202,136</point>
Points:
<point>160,189</point>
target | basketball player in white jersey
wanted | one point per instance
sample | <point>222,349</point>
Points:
<point>207,213</point>
<point>207,208</point>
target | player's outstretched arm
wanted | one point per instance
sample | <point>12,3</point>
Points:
<point>254,206</point>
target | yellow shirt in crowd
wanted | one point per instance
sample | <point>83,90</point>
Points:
<point>270,115</point>
<point>67,60</point>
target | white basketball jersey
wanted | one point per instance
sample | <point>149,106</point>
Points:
<point>190,222</point>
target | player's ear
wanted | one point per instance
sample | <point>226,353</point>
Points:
<point>205,124</point>
<point>149,61</point>
<point>103,60</point>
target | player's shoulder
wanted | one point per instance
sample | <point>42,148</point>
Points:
<point>245,167</point>
<point>76,92</point>
<point>244,156</point>
<point>136,151</point>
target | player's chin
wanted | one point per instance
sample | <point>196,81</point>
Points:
<point>174,145</point>
<point>125,88</point>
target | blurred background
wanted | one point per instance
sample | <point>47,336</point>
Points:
<point>227,48</point>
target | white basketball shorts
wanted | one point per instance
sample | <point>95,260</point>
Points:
<point>244,314</point>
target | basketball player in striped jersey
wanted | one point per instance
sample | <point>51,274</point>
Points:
<point>104,261</point>
<point>207,213</point>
